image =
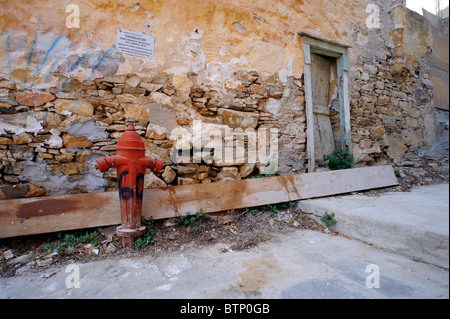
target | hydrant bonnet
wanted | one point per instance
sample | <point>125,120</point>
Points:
<point>130,140</point>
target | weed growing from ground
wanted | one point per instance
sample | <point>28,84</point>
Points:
<point>73,240</point>
<point>266,175</point>
<point>273,208</point>
<point>190,221</point>
<point>328,219</point>
<point>147,238</point>
<point>339,159</point>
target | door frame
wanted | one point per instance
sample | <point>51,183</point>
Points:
<point>313,44</point>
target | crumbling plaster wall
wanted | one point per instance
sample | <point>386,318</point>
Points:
<point>66,94</point>
<point>393,113</point>
<point>190,35</point>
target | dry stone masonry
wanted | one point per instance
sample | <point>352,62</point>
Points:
<point>50,139</point>
<point>65,101</point>
<point>390,113</point>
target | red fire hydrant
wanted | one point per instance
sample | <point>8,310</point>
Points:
<point>131,163</point>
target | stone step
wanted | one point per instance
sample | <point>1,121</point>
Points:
<point>413,223</point>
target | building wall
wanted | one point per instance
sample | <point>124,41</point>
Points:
<point>66,93</point>
<point>392,105</point>
<point>440,78</point>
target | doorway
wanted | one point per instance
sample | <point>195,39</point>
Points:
<point>326,97</point>
<point>325,100</point>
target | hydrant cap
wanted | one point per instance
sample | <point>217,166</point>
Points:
<point>130,140</point>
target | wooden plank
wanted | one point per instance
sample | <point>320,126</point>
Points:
<point>309,118</point>
<point>166,202</point>
<point>308,106</point>
<point>309,38</point>
<point>27,216</point>
<point>322,109</point>
<point>347,126</point>
<point>324,138</point>
<point>20,217</point>
<point>323,44</point>
<point>325,52</point>
<point>306,53</point>
<point>320,84</point>
<point>320,79</point>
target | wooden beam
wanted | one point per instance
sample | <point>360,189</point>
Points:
<point>347,140</point>
<point>311,38</point>
<point>309,118</point>
<point>29,216</point>
<point>321,109</point>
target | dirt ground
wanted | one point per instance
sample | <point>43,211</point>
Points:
<point>237,229</point>
<point>426,170</point>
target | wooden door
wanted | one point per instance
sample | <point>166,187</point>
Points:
<point>320,87</point>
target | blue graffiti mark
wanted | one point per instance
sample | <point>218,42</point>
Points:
<point>47,76</point>
<point>99,62</point>
<point>8,49</point>
<point>31,84</point>
<point>52,46</point>
<point>30,53</point>
<point>75,65</point>
<point>77,62</point>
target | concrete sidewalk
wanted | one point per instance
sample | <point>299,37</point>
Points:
<point>413,223</point>
<point>298,264</point>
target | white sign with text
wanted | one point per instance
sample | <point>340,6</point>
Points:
<point>135,43</point>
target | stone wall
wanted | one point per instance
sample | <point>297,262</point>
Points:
<point>236,67</point>
<point>389,113</point>
<point>393,109</point>
<point>50,139</point>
